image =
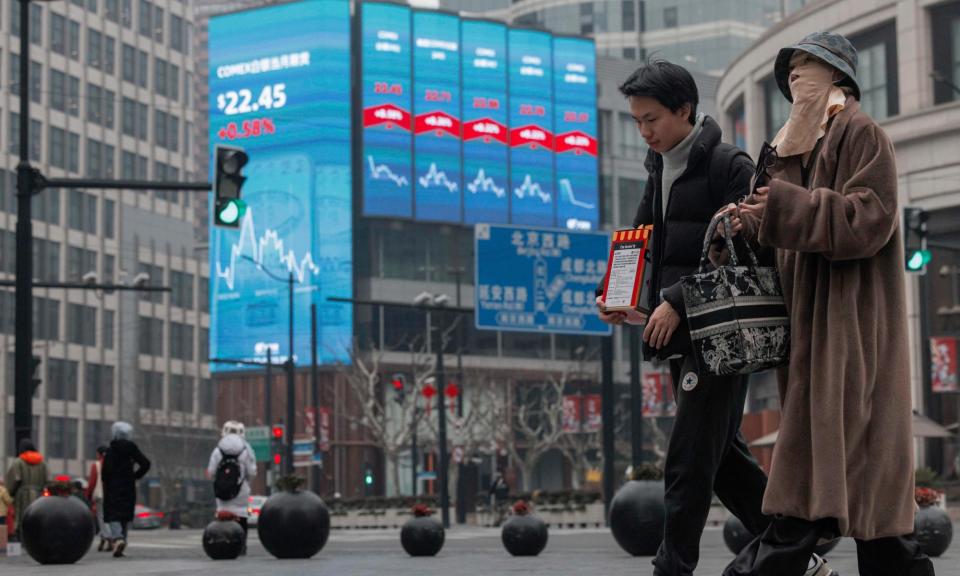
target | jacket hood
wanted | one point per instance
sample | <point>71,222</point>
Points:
<point>32,457</point>
<point>232,444</point>
<point>709,137</point>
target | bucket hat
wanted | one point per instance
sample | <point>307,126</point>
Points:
<point>832,48</point>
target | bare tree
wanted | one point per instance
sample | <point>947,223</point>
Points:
<point>389,424</point>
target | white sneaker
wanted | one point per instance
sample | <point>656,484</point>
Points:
<point>817,566</point>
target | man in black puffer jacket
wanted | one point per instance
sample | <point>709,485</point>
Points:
<point>692,174</point>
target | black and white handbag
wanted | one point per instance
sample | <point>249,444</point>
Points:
<point>736,314</point>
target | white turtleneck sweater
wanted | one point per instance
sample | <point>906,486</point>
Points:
<point>675,160</point>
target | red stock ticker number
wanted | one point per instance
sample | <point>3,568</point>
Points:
<point>531,110</point>
<point>486,103</point>
<point>575,117</point>
<point>385,88</point>
<point>247,129</point>
<point>437,96</point>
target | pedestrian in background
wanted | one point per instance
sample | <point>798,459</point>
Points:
<point>123,465</point>
<point>95,496</point>
<point>843,461</point>
<point>26,479</point>
<point>232,465</point>
<point>5,503</point>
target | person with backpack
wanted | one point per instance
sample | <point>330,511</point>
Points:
<point>232,465</point>
<point>692,174</point>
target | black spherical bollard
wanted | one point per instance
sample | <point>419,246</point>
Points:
<point>57,529</point>
<point>524,534</point>
<point>636,517</point>
<point>422,535</point>
<point>933,530</point>
<point>293,524</point>
<point>223,539</point>
<point>736,537</point>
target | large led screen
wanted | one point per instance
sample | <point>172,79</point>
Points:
<point>387,120</point>
<point>436,107</point>
<point>470,121</point>
<point>531,128</point>
<point>575,125</point>
<point>280,88</point>
<point>485,136</point>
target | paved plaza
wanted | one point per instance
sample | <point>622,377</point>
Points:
<point>468,551</point>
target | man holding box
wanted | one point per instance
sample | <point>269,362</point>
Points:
<point>692,174</point>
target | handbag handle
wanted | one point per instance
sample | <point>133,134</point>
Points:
<point>728,241</point>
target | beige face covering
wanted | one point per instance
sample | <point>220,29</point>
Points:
<point>815,100</point>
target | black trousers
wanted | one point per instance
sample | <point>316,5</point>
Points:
<point>706,454</point>
<point>785,548</point>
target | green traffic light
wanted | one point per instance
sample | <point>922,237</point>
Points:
<point>231,211</point>
<point>368,479</point>
<point>919,259</point>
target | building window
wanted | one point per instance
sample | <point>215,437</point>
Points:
<point>126,13</point>
<point>631,143</point>
<point>630,192</point>
<point>109,54</point>
<point>112,8</point>
<point>95,433</point>
<point>107,323</point>
<point>143,68</point>
<point>181,341</point>
<point>94,48</point>
<point>877,71</point>
<point>128,63</point>
<point>181,393</point>
<point>80,262</point>
<point>81,324</point>
<point>151,389</point>
<point>61,437</point>
<point>156,278</point>
<point>145,18</point>
<point>670,17</point>
<point>99,383</point>
<point>58,33</point>
<point>208,397</point>
<point>61,380</point>
<point>46,319</point>
<point>82,211</point>
<point>46,206</point>
<point>73,39</point>
<point>181,285</point>
<point>108,218</point>
<point>176,32</point>
<point>46,260</point>
<point>776,107</point>
<point>945,23</point>
<point>151,336</point>
<point>628,11</point>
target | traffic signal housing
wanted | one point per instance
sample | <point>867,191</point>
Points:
<point>916,255</point>
<point>399,383</point>
<point>277,435</point>
<point>228,207</point>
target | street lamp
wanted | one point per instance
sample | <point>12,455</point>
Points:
<point>433,302</point>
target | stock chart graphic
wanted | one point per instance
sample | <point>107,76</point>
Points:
<point>472,121</point>
<point>279,76</point>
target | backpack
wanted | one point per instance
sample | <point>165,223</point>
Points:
<point>228,479</point>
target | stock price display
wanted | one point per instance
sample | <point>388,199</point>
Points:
<point>470,121</point>
<point>280,84</point>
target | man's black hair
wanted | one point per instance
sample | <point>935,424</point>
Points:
<point>667,83</point>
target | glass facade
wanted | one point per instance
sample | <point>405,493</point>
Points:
<point>945,24</point>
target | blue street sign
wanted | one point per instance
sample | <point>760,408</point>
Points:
<point>539,279</point>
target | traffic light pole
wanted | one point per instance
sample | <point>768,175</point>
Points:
<point>291,389</point>
<point>23,398</point>
<point>442,426</point>
<point>315,394</point>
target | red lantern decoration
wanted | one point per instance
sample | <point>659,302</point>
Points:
<point>429,391</point>
<point>452,390</point>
